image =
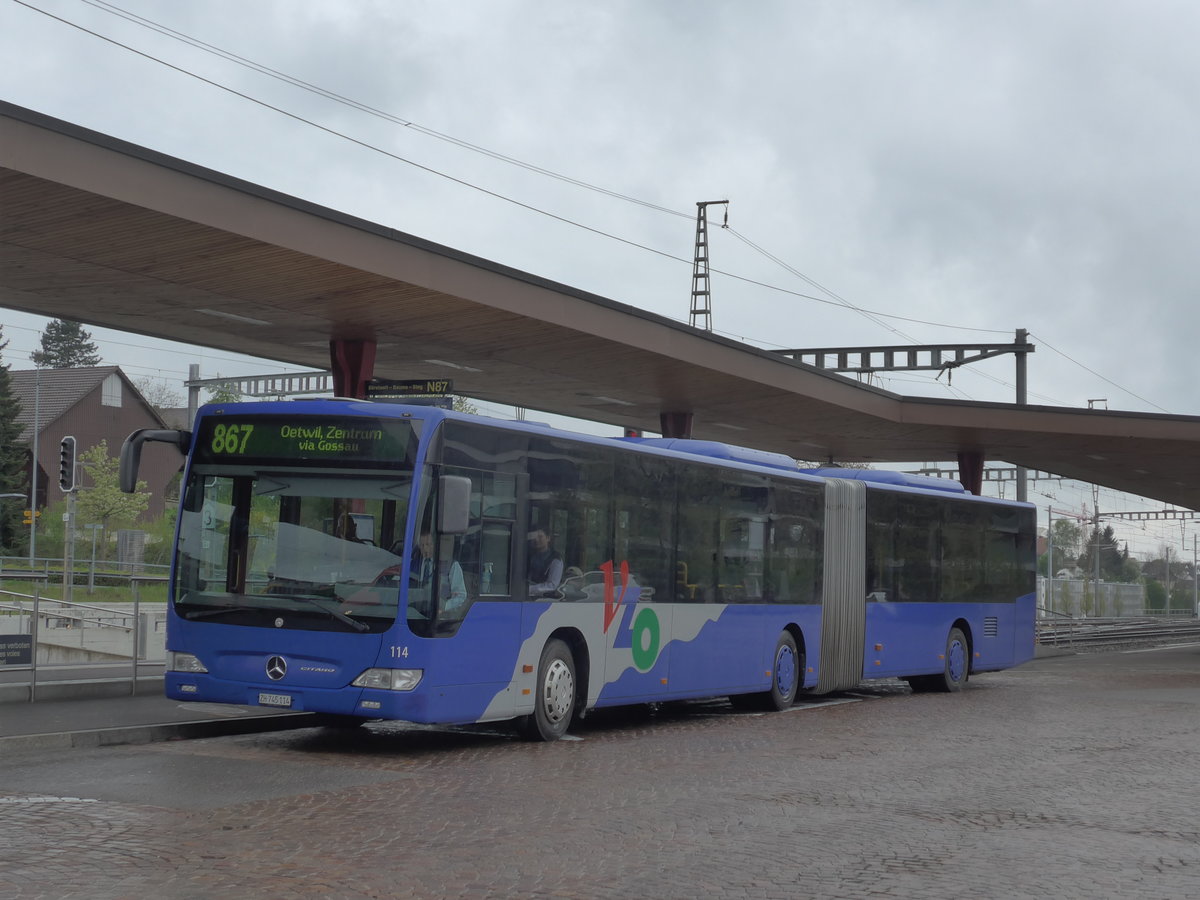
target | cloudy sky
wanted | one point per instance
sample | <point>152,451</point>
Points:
<point>928,172</point>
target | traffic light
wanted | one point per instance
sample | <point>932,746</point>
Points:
<point>66,464</point>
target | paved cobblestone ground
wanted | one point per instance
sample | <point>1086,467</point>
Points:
<point>1073,777</point>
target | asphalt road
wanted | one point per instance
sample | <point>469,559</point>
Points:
<point>1071,777</point>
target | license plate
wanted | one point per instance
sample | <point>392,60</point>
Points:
<point>274,700</point>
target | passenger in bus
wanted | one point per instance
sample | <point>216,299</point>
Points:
<point>545,567</point>
<point>347,529</point>
<point>452,588</point>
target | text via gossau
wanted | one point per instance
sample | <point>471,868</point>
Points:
<point>329,438</point>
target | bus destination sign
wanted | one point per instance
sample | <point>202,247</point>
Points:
<point>303,439</point>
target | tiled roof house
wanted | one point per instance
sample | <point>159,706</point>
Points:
<point>93,404</point>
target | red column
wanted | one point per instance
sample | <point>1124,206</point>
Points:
<point>676,424</point>
<point>352,364</point>
<point>970,470</point>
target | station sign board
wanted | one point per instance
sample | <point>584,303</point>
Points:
<point>390,389</point>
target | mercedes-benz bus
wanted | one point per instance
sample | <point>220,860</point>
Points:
<point>371,560</point>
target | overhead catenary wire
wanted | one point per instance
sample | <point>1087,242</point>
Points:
<point>370,110</point>
<point>1051,347</point>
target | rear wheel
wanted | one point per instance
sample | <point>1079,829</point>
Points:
<point>554,704</point>
<point>786,672</point>
<point>956,667</point>
<point>785,678</point>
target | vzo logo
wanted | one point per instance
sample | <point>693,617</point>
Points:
<point>642,633</point>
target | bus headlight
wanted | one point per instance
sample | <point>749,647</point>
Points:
<point>389,679</point>
<point>184,662</point>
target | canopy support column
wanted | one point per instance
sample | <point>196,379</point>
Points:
<point>970,470</point>
<point>676,424</point>
<point>353,365</point>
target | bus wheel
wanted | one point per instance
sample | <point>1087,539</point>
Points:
<point>554,705</point>
<point>785,678</point>
<point>958,662</point>
<point>955,672</point>
<point>333,720</point>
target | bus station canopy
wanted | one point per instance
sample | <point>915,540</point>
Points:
<point>115,235</point>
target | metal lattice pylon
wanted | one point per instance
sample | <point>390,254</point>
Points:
<point>701,313</point>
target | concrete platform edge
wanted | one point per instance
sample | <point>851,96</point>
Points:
<point>148,734</point>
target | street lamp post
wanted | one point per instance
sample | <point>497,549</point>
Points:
<point>33,469</point>
<point>94,529</point>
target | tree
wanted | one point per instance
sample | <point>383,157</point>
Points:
<point>103,503</point>
<point>1065,535</point>
<point>1158,570</point>
<point>14,476</point>
<point>1181,597</point>
<point>159,394</point>
<point>226,392</point>
<point>65,345</point>
<point>1112,563</point>
<point>1156,596</point>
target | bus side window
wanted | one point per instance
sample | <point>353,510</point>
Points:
<point>495,554</point>
<point>485,550</point>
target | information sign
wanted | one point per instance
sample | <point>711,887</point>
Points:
<point>16,650</point>
<point>385,389</point>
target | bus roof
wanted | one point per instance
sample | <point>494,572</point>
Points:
<point>712,450</point>
<point>717,450</point>
<point>887,476</point>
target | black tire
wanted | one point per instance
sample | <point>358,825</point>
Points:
<point>955,671</point>
<point>332,720</point>
<point>554,702</point>
<point>787,667</point>
<point>920,684</point>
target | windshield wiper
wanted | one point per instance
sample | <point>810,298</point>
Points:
<point>218,611</point>
<point>335,613</point>
<point>306,598</point>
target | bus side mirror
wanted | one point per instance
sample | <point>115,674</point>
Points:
<point>131,451</point>
<point>454,514</point>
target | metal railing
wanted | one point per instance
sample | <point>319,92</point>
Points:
<point>50,569</point>
<point>1073,632</point>
<point>46,614</point>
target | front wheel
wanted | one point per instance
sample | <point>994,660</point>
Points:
<point>334,720</point>
<point>554,704</point>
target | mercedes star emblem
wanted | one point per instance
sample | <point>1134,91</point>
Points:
<point>276,668</point>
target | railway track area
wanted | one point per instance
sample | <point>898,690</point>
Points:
<point>1091,635</point>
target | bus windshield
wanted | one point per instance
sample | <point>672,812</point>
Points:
<point>292,549</point>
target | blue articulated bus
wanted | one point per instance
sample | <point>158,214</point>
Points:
<point>382,561</point>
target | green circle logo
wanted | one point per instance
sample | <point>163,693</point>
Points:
<point>645,639</point>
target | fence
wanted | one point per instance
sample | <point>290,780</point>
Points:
<point>1084,598</point>
<point>44,639</point>
<point>50,570</point>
